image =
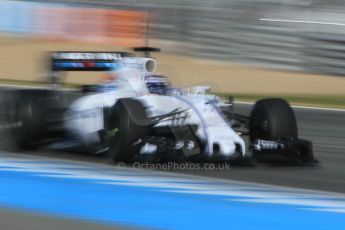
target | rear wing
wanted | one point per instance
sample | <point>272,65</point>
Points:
<point>85,61</point>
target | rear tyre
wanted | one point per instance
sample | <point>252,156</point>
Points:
<point>272,118</point>
<point>126,127</point>
<point>26,115</point>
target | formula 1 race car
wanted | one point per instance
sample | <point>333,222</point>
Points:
<point>137,113</point>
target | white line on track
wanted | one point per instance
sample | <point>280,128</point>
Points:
<point>21,86</point>
<point>13,86</point>
<point>302,21</point>
<point>298,106</point>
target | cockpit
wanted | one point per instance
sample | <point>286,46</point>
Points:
<point>157,84</point>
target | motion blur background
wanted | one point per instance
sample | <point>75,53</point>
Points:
<point>250,48</point>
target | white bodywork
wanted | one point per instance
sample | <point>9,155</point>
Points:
<point>85,116</point>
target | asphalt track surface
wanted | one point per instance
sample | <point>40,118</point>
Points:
<point>325,128</point>
<point>17,220</point>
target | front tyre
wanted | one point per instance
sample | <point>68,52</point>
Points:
<point>271,119</point>
<point>126,127</point>
<point>274,120</point>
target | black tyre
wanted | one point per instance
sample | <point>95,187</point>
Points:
<point>126,126</point>
<point>26,114</point>
<point>272,118</point>
<point>89,88</point>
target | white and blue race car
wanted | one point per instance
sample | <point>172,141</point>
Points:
<point>136,113</point>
